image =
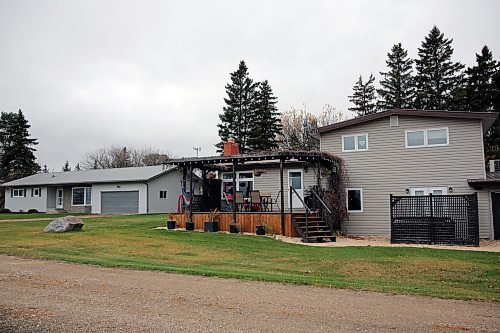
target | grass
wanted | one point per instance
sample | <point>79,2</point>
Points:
<point>23,216</point>
<point>132,242</point>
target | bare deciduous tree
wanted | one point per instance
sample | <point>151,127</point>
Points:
<point>121,157</point>
<point>299,126</point>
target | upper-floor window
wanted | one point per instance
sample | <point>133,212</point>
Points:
<point>427,138</point>
<point>81,196</point>
<point>18,192</point>
<point>355,142</point>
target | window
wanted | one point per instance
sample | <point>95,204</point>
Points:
<point>354,200</point>
<point>427,138</point>
<point>244,183</point>
<point>355,142</point>
<point>163,195</point>
<point>18,192</point>
<point>81,196</point>
<point>36,192</point>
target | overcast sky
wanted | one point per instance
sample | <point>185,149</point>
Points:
<point>89,74</point>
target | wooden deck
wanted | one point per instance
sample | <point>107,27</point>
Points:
<point>246,221</point>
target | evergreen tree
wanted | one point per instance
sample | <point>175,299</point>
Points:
<point>239,110</point>
<point>66,167</point>
<point>492,138</point>
<point>363,97</point>
<point>78,167</point>
<point>265,126</point>
<point>481,88</point>
<point>45,169</point>
<point>17,153</point>
<point>397,91</point>
<point>437,76</point>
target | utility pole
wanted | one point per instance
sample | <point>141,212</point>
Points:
<point>198,149</point>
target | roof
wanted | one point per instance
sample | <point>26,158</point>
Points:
<point>116,175</point>
<point>488,118</point>
<point>492,181</point>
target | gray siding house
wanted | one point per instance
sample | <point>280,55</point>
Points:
<point>153,189</point>
<point>409,152</point>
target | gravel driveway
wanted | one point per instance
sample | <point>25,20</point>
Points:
<point>47,296</point>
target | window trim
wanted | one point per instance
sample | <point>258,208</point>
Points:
<point>355,142</point>
<point>39,195</point>
<point>20,192</point>
<point>426,143</point>
<point>166,194</point>
<point>84,196</point>
<point>347,199</point>
<point>238,179</point>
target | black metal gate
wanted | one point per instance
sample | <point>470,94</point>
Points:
<point>435,219</point>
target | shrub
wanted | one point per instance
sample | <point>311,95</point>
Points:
<point>5,211</point>
<point>32,211</point>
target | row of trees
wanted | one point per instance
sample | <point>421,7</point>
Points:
<point>438,84</point>
<point>118,157</point>
<point>250,115</point>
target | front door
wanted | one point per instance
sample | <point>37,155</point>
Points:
<point>296,180</point>
<point>495,203</point>
<point>59,198</point>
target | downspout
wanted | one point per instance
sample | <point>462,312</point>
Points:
<point>147,197</point>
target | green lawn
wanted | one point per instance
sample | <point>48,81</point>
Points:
<point>131,241</point>
<point>22,216</point>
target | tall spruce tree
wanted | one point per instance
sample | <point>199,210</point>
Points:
<point>66,167</point>
<point>437,76</point>
<point>397,87</point>
<point>265,126</point>
<point>481,87</point>
<point>363,97</point>
<point>17,158</point>
<point>239,110</point>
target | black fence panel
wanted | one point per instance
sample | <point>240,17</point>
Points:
<point>435,219</point>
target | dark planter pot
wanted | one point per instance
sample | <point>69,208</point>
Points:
<point>212,226</point>
<point>260,230</point>
<point>233,228</point>
<point>171,224</point>
<point>189,226</point>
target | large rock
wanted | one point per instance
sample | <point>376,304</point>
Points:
<point>63,224</point>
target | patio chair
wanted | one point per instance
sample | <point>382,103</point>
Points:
<point>265,200</point>
<point>240,201</point>
<point>255,201</point>
<point>274,201</point>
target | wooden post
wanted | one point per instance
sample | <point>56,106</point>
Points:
<point>318,173</point>
<point>234,191</point>
<point>191,194</point>
<point>282,165</point>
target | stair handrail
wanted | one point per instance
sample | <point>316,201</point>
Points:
<point>308,211</point>
<point>326,218</point>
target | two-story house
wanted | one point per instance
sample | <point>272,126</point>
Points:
<point>409,152</point>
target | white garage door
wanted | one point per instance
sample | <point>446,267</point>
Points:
<point>122,202</point>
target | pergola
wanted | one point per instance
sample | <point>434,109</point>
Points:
<point>214,163</point>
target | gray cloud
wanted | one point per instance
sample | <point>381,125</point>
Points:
<point>89,74</point>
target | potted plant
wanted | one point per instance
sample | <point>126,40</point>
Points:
<point>189,224</point>
<point>212,225</point>
<point>171,222</point>
<point>234,228</point>
<point>260,230</point>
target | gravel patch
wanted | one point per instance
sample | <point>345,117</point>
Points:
<point>47,296</point>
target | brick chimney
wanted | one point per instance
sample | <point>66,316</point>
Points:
<point>231,148</point>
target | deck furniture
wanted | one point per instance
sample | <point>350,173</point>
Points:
<point>240,201</point>
<point>255,201</point>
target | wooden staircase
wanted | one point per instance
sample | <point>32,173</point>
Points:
<point>317,230</point>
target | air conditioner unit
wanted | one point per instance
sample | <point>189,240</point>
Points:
<point>494,165</point>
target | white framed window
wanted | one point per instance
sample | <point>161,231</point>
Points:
<point>81,196</point>
<point>426,137</point>
<point>355,142</point>
<point>354,197</point>
<point>18,192</point>
<point>419,191</point>
<point>244,182</point>
<point>163,194</point>
<point>36,192</point>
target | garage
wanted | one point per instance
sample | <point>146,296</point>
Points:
<point>120,202</point>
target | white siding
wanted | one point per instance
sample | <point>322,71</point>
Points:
<point>169,182</point>
<point>388,167</point>
<point>26,203</point>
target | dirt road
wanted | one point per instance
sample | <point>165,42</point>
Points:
<point>45,296</point>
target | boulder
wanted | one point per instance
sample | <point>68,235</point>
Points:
<point>63,224</point>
